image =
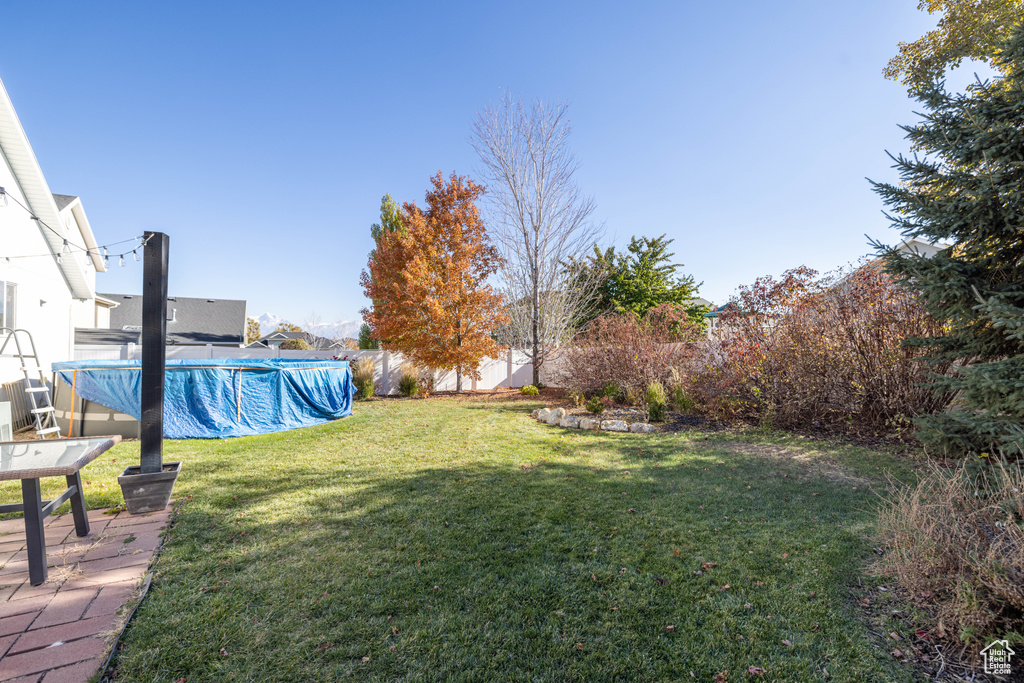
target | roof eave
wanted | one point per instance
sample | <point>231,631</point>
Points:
<point>29,176</point>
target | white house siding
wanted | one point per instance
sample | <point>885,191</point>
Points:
<point>39,280</point>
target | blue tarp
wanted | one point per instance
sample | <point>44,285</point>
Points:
<point>215,398</point>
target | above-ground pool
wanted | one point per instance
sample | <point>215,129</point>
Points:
<point>215,398</point>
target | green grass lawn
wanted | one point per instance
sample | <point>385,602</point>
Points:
<point>462,541</point>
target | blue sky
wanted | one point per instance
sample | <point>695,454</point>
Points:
<point>261,136</point>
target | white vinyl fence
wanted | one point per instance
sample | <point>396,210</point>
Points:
<point>513,370</point>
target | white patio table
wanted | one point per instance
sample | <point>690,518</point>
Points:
<point>31,460</point>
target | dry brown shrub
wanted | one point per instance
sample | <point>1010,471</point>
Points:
<point>956,544</point>
<point>628,351</point>
<point>801,350</point>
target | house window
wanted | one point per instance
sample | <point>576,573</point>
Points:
<point>8,299</point>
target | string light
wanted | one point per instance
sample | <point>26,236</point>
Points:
<point>122,261</point>
<point>67,246</point>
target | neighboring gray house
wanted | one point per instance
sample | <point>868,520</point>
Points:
<point>275,339</point>
<point>190,322</point>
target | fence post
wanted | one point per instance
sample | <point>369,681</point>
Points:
<point>509,372</point>
<point>385,372</point>
<point>209,350</point>
<point>128,351</point>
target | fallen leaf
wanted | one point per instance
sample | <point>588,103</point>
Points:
<point>670,627</point>
<point>748,606</point>
<point>661,580</point>
<point>223,652</point>
<point>323,647</point>
<point>787,643</point>
<point>898,653</point>
<point>721,677</point>
<point>675,553</point>
<point>706,566</point>
<point>785,554</point>
<point>895,636</point>
<point>755,670</point>
<point>579,646</point>
<point>726,587</point>
<point>631,510</point>
<point>365,660</point>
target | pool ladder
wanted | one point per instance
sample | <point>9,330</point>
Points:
<point>39,395</point>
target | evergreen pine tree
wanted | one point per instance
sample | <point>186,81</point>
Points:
<point>965,186</point>
<point>366,339</point>
<point>641,279</point>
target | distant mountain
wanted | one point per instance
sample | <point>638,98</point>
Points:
<point>269,322</point>
<point>342,329</point>
<point>336,330</point>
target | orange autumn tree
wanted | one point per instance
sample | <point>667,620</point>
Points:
<point>428,285</point>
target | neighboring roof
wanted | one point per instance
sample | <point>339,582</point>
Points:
<point>283,335</point>
<point>15,147</point>
<point>189,320</point>
<point>71,206</point>
<point>101,336</point>
<point>62,200</point>
<point>106,302</point>
<point>730,306</point>
<point>257,345</point>
<point>921,247</point>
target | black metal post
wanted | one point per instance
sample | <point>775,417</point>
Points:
<point>154,337</point>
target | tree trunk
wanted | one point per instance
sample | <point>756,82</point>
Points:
<point>536,334</point>
<point>458,380</point>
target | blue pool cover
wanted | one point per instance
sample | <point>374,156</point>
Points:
<point>215,398</point>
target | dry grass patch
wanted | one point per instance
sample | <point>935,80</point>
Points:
<point>956,545</point>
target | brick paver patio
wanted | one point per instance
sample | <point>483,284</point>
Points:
<point>62,630</point>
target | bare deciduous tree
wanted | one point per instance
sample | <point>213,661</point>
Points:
<point>540,221</point>
<point>313,321</point>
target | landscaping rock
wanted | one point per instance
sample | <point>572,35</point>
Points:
<point>543,413</point>
<point>614,426</point>
<point>588,423</point>
<point>555,415</point>
<point>570,422</point>
<point>641,428</point>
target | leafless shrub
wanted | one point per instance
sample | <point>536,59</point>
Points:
<point>802,350</point>
<point>628,351</point>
